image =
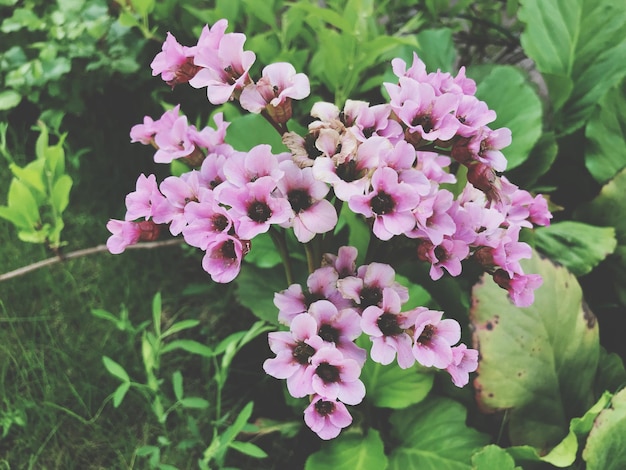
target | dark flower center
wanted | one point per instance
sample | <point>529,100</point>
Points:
<point>310,297</point>
<point>424,121</point>
<point>299,200</point>
<point>324,408</point>
<point>427,334</point>
<point>388,324</point>
<point>220,222</point>
<point>328,333</point>
<point>227,250</point>
<point>382,203</point>
<point>368,132</point>
<point>259,211</point>
<point>370,296</point>
<point>441,254</point>
<point>347,171</point>
<point>302,352</point>
<point>309,145</point>
<point>327,372</point>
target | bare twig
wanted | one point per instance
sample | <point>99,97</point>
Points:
<point>80,253</point>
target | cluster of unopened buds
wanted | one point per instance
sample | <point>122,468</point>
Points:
<point>392,163</point>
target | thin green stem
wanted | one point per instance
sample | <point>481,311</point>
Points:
<point>280,242</point>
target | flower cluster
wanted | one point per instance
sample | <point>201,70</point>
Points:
<point>394,164</point>
<point>318,356</point>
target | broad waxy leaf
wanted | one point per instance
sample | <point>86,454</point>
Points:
<point>606,444</point>
<point>506,91</point>
<point>9,99</point>
<point>606,132</point>
<point>537,362</point>
<point>433,436</point>
<point>256,288</point>
<point>350,452</point>
<point>392,387</point>
<point>250,130</point>
<point>579,247</point>
<point>492,457</point>
<point>608,209</point>
<point>579,47</point>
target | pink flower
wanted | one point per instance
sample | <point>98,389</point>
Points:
<point>205,219</point>
<point>434,338</point>
<point>312,213</point>
<point>521,287</point>
<point>173,142</point>
<point>274,91</point>
<point>326,418</point>
<point>126,233</point>
<point>390,203</point>
<point>174,62</point>
<point>386,327</point>
<point>140,203</point>
<point>448,254</point>
<point>246,167</point>
<point>344,261</point>
<point>223,258</point>
<point>463,362</point>
<point>145,132</point>
<point>294,351</point>
<point>336,377</point>
<point>368,286</point>
<point>178,192</point>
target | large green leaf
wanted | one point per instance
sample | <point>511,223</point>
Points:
<point>250,130</point>
<point>606,445</point>
<point>350,452</point>
<point>606,132</point>
<point>392,387</point>
<point>436,49</point>
<point>256,288</point>
<point>579,47</point>
<point>507,92</point>
<point>492,457</point>
<point>537,362</point>
<point>433,436</point>
<point>608,209</point>
<point>579,247</point>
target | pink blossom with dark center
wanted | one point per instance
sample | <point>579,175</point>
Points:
<point>223,256</point>
<point>472,115</point>
<point>312,213</point>
<point>375,120</point>
<point>390,202</point>
<point>433,338</point>
<point>336,377</point>
<point>175,62</point>
<point>432,220</point>
<point>242,168</point>
<point>326,418</point>
<point>464,361</point>
<point>339,328</point>
<point>448,254</point>
<point>521,287</point>
<point>126,233</point>
<point>205,219</point>
<point>178,192</point>
<point>140,203</point>
<point>386,327</point>
<point>145,132</point>
<point>173,142</point>
<point>344,261</point>
<point>294,351</point>
<point>433,166</point>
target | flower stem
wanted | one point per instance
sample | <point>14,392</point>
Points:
<point>280,242</point>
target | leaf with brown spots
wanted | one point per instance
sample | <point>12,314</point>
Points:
<point>539,362</point>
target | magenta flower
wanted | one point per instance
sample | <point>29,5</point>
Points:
<point>433,222</point>
<point>336,377</point>
<point>521,287</point>
<point>312,213</point>
<point>254,209</point>
<point>386,327</point>
<point>472,115</point>
<point>205,219</point>
<point>173,142</point>
<point>178,192</point>
<point>434,338</point>
<point>390,203</point>
<point>242,168</point>
<point>140,203</point>
<point>326,418</point>
<point>145,132</point>
<point>339,328</point>
<point>448,254</point>
<point>375,120</point>
<point>175,62</point>
<point>294,351</point>
<point>367,287</point>
<point>463,362</point>
<point>344,261</point>
<point>222,259</point>
<point>126,233</point>
<point>274,91</point>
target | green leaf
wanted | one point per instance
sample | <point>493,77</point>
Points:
<point>9,99</point>
<point>492,457</point>
<point>60,196</point>
<point>350,452</point>
<point>115,369</point>
<point>248,448</point>
<point>611,374</point>
<point>436,49</point>
<point>579,47</point>
<point>251,130</point>
<point>578,246</point>
<point>188,345</point>
<point>537,362</point>
<point>177,385</point>
<point>606,444</point>
<point>120,393</point>
<point>433,436</point>
<point>605,154</point>
<point>180,326</point>
<point>156,313</point>
<point>264,11</point>
<point>194,402</point>
<point>263,252</point>
<point>392,387</point>
<point>21,199</point>
<point>143,7</point>
<point>538,162</point>
<point>360,234</point>
<point>256,288</point>
<point>33,175</point>
<point>507,92</point>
